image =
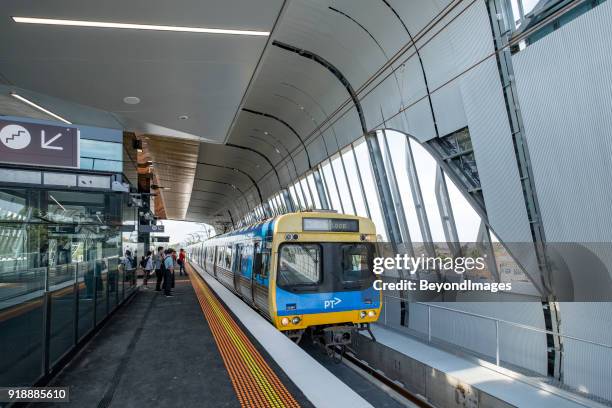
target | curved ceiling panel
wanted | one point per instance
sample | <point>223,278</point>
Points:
<point>203,76</point>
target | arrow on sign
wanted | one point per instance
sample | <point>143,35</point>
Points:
<point>46,144</point>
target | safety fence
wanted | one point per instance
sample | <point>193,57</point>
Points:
<point>515,346</point>
<point>45,313</point>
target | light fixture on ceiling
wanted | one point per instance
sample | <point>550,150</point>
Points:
<point>131,100</point>
<point>277,151</point>
<point>183,117</point>
<point>130,26</point>
<point>40,108</point>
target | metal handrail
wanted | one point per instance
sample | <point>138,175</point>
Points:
<point>520,325</point>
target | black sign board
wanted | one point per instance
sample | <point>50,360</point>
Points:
<point>160,239</point>
<point>39,145</point>
<point>127,228</point>
<point>150,228</point>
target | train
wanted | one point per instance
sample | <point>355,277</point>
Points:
<point>304,271</point>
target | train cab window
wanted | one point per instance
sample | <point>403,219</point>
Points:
<point>299,265</point>
<point>356,262</point>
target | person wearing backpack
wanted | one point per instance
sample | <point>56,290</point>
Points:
<point>167,267</point>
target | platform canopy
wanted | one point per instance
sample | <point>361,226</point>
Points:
<point>300,80</point>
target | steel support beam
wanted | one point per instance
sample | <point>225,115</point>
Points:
<point>320,189</point>
<point>384,192</point>
<point>446,213</point>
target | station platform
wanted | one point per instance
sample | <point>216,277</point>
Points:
<point>203,347</point>
<point>186,350</point>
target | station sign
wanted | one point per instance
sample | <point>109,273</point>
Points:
<point>150,228</point>
<point>39,144</point>
<point>160,239</point>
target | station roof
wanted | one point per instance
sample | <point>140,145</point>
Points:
<point>234,110</point>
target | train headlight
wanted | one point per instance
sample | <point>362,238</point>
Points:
<point>371,313</point>
<point>285,321</point>
<point>362,314</point>
<point>296,320</point>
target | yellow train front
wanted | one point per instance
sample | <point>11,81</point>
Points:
<point>306,270</point>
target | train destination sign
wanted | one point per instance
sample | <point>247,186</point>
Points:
<point>39,145</point>
<point>330,224</point>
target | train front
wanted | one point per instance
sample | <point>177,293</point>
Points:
<point>322,274</point>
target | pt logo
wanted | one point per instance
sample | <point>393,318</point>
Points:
<point>15,137</point>
<point>330,304</point>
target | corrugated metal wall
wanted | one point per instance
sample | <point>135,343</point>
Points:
<point>565,92</point>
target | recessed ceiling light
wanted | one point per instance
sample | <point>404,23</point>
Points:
<point>104,24</point>
<point>131,100</point>
<point>40,108</point>
<point>183,117</point>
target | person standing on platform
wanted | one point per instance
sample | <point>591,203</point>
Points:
<point>148,267</point>
<point>174,262</point>
<point>168,271</point>
<point>181,262</point>
<point>157,261</point>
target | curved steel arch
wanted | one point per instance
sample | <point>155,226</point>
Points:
<point>250,149</point>
<point>276,118</point>
<point>334,70</point>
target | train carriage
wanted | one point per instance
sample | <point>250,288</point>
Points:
<point>302,271</point>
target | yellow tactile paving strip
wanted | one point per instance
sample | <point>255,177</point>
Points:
<point>255,383</point>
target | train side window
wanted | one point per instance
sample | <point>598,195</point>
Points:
<point>228,257</point>
<point>238,258</point>
<point>265,262</point>
<point>220,253</point>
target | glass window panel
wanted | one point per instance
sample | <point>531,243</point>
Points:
<point>107,165</point>
<point>371,193</point>
<point>101,150</point>
<point>509,270</point>
<point>272,206</point>
<point>345,193</point>
<point>426,167</point>
<point>351,170</point>
<point>315,193</point>
<point>306,191</point>
<point>101,275</point>
<point>331,185</point>
<point>397,146</point>
<point>295,198</point>
<point>467,219</point>
<point>86,293</point>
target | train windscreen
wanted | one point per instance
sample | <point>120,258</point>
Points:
<point>327,266</point>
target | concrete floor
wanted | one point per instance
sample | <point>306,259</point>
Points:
<point>155,351</point>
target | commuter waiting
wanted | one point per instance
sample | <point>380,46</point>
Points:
<point>167,268</point>
<point>147,267</point>
<point>157,262</point>
<point>181,262</point>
